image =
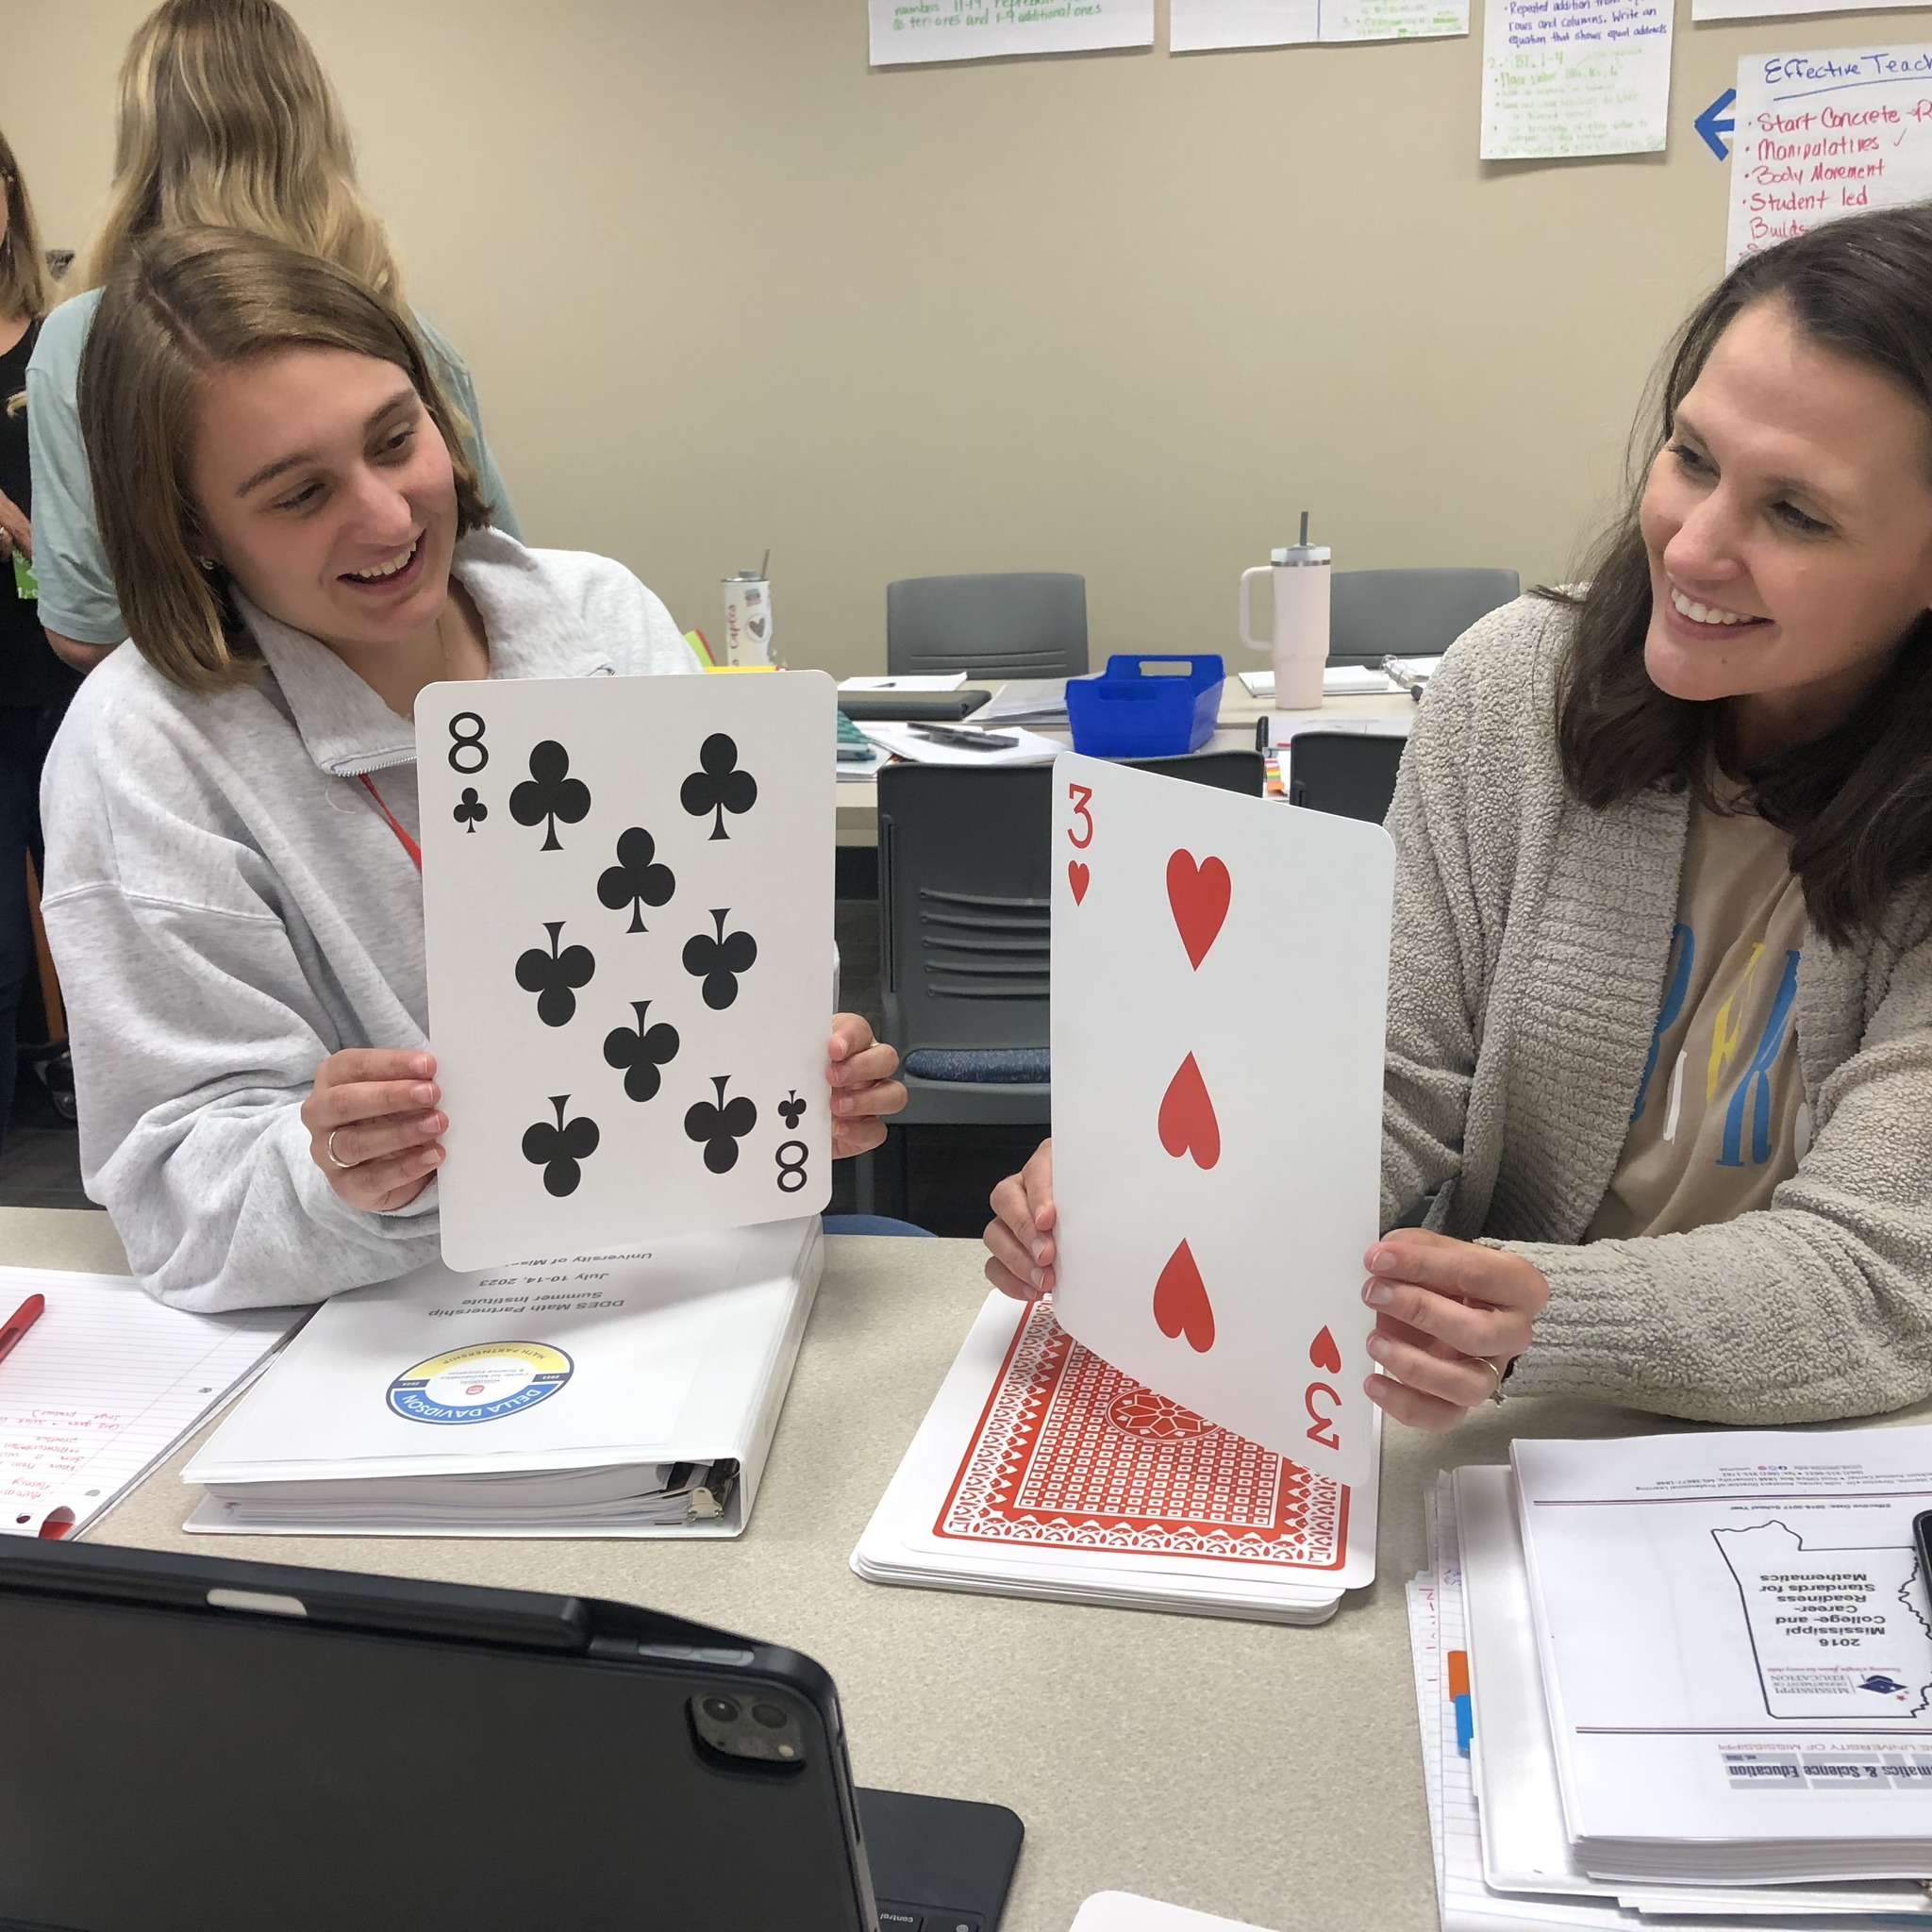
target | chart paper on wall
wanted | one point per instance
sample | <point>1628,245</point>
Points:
<point>1566,78</point>
<point>1824,133</point>
<point>1775,9</point>
<point>906,32</point>
<point>1196,25</point>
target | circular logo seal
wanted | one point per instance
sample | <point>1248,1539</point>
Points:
<point>1141,1412</point>
<point>480,1383</point>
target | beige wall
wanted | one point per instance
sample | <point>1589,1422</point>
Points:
<point>1124,314</point>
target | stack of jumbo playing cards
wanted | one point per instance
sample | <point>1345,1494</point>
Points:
<point>1184,1426</point>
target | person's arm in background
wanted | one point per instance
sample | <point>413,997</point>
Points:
<point>453,373</point>
<point>79,608</point>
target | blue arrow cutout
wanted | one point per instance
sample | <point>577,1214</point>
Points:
<point>1710,127</point>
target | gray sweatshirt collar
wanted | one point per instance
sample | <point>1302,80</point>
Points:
<point>348,729</point>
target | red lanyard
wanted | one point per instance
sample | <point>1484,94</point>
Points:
<point>408,844</point>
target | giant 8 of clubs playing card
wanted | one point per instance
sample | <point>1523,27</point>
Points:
<point>1220,975</point>
<point>627,903</point>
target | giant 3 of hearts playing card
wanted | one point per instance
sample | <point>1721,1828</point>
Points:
<point>1220,974</point>
<point>627,908</point>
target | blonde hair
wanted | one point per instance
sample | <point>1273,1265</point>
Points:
<point>182,301</point>
<point>25,287</point>
<point>226,119</point>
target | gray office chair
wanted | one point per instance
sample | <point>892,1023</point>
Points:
<point>1375,614</point>
<point>965,952</point>
<point>1351,774</point>
<point>1022,625</point>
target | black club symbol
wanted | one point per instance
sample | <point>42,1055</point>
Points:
<point>791,1111</point>
<point>642,1053</point>
<point>470,809</point>
<point>719,962</point>
<point>556,976</point>
<point>636,880</point>
<point>550,793</point>
<point>723,1127</point>
<point>719,786</point>
<point>559,1150</point>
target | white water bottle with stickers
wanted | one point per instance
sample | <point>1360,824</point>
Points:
<point>1300,578</point>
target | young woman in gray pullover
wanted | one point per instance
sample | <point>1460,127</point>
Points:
<point>1659,1071</point>
<point>233,894</point>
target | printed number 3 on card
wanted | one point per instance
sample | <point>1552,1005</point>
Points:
<point>1083,837</point>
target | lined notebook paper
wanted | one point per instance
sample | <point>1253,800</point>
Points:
<point>104,1386</point>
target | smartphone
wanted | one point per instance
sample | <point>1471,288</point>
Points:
<point>1921,1534</point>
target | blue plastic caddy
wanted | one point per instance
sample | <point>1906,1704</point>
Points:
<point>1145,706</point>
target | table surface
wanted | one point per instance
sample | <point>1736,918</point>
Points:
<point>1269,1775</point>
<point>859,798</point>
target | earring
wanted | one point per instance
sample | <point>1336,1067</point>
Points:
<point>204,562</point>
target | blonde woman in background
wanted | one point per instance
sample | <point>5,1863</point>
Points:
<point>34,684</point>
<point>224,117</point>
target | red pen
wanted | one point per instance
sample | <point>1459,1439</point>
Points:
<point>22,1318</point>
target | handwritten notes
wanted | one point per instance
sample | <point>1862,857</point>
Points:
<point>905,32</point>
<point>103,1386</point>
<point>1574,77</point>
<point>1197,24</point>
<point>1826,134</point>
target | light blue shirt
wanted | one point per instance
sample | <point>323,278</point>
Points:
<point>76,589</point>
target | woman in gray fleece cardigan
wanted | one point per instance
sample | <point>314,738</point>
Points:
<point>1660,1070</point>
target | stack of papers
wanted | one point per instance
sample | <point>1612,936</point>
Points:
<point>1026,701</point>
<point>1354,680</point>
<point>621,1395</point>
<point>1699,1676</point>
<point>104,1385</point>
<point>905,742</point>
<point>925,680</point>
<point>1040,1472</point>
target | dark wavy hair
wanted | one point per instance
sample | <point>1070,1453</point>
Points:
<point>1858,802</point>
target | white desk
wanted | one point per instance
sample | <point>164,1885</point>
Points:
<point>1269,1774</point>
<point>859,798</point>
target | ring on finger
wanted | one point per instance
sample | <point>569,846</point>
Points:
<point>329,1147</point>
<point>1498,1370</point>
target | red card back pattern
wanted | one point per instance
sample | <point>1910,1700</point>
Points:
<point>1069,1454</point>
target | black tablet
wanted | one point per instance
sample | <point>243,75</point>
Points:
<point>199,1745</point>
<point>911,707</point>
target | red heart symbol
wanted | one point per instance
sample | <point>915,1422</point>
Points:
<point>1180,1302</point>
<point>1323,1353</point>
<point>1077,876</point>
<point>1199,896</point>
<point>1187,1120</point>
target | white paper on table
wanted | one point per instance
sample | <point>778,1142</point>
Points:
<point>936,680</point>
<point>1560,78</point>
<point>1275,1225</point>
<point>1284,726</point>
<point>1195,25</point>
<point>1682,1585</point>
<point>903,741</point>
<point>908,31</point>
<point>1824,133</point>
<point>742,850</point>
<point>104,1385</point>
<point>1125,1911</point>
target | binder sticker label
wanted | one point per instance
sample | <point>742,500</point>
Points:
<point>481,1383</point>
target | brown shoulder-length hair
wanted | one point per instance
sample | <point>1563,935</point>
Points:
<point>1858,802</point>
<point>25,287</point>
<point>183,302</point>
